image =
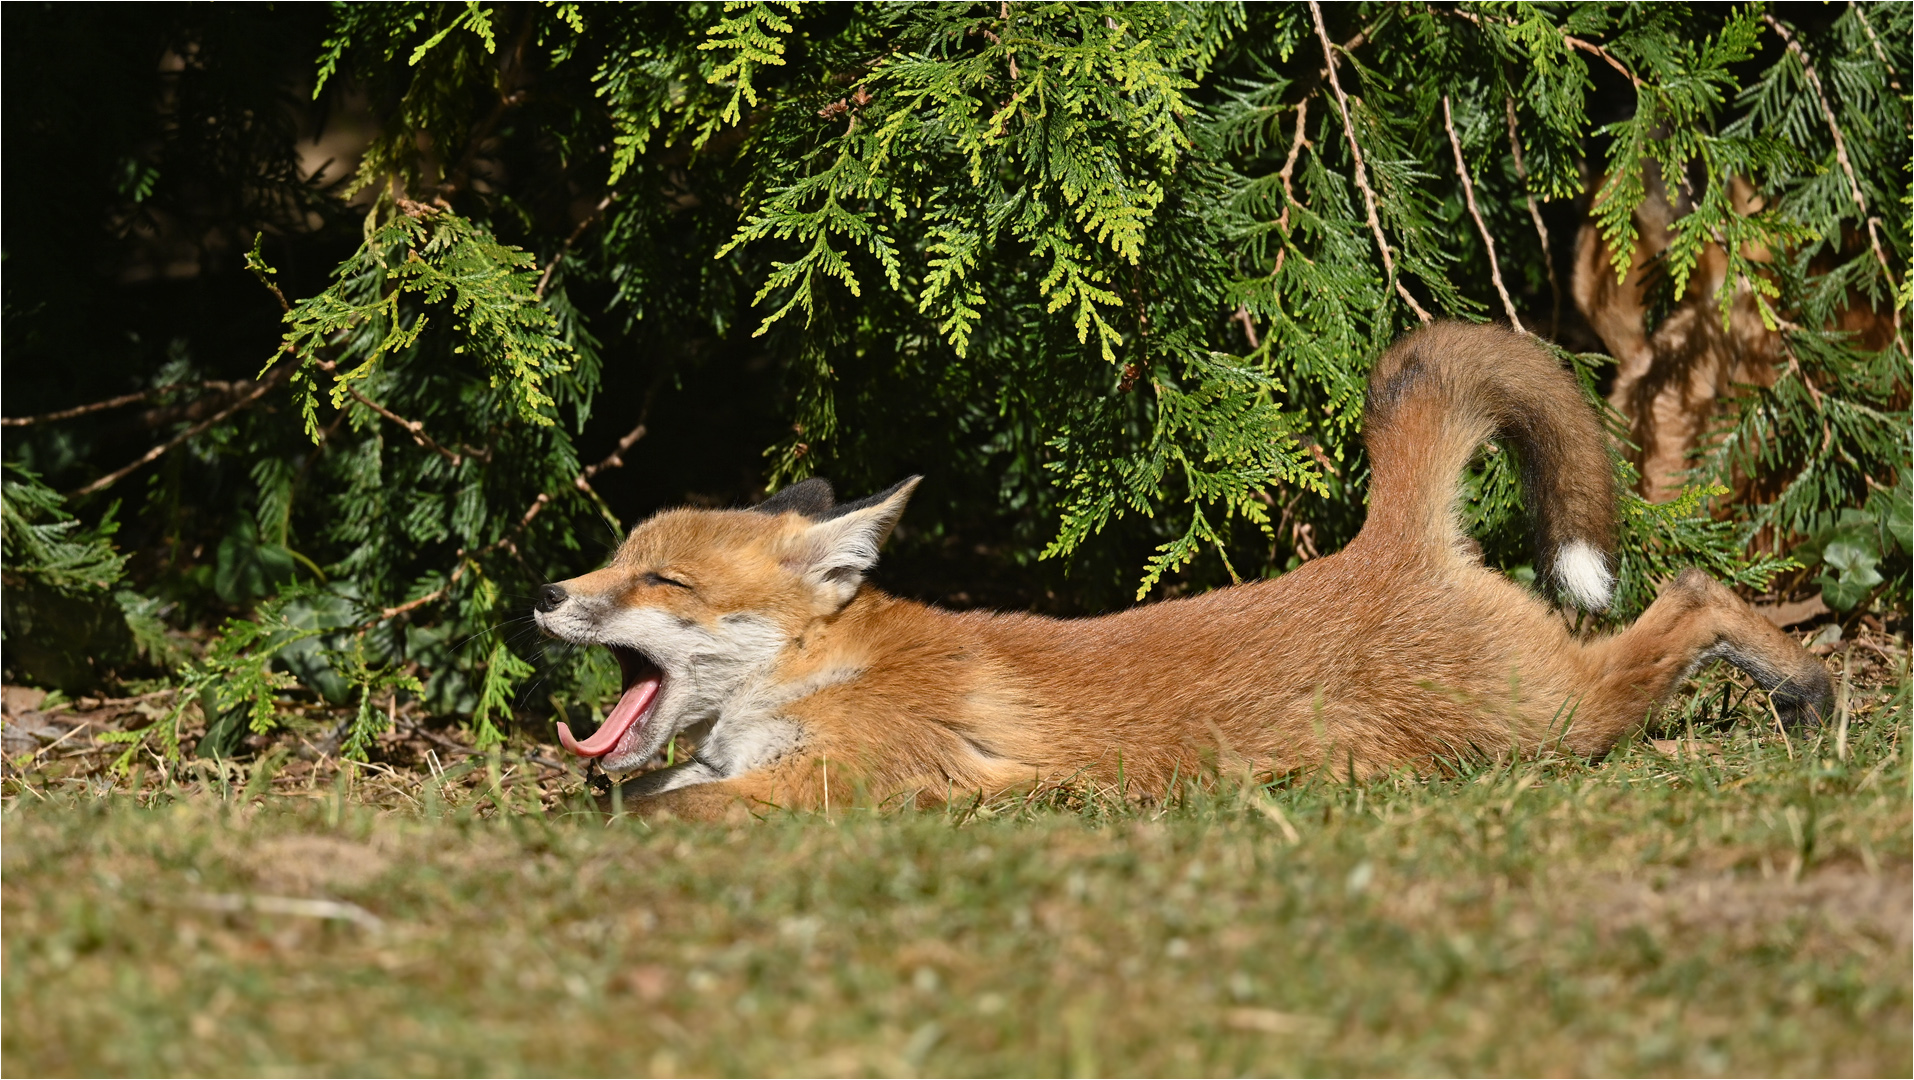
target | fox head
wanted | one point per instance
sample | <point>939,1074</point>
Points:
<point>698,605</point>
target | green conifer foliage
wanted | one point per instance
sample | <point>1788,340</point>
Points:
<point>1111,274</point>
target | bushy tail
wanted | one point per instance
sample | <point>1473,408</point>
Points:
<point>1442,391</point>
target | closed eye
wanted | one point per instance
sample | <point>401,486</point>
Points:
<point>660,579</point>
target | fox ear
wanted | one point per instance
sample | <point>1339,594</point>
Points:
<point>834,554</point>
<point>812,498</point>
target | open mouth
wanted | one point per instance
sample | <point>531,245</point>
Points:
<point>622,730</point>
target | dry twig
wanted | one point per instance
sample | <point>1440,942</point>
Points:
<point>1286,175</point>
<point>110,403</point>
<point>265,386</point>
<point>1468,194</point>
<point>1840,153</point>
<point>1362,170</point>
<point>582,482</point>
<point>412,427</point>
<point>1880,53</point>
<point>545,279</point>
<point>1569,40</point>
<point>1596,50</point>
<point>1535,215</point>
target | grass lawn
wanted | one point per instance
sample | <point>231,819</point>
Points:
<point>1734,902</point>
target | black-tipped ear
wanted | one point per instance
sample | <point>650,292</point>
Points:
<point>834,553</point>
<point>869,501</point>
<point>812,498</point>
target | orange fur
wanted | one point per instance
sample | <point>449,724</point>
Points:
<point>1400,650</point>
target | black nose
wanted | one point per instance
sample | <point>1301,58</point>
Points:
<point>549,598</point>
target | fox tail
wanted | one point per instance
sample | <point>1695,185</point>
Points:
<point>1437,395</point>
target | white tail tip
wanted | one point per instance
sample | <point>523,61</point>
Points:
<point>1583,574</point>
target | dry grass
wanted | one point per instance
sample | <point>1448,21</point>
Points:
<point>1730,902</point>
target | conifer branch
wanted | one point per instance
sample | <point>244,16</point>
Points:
<point>412,427</point>
<point>545,279</point>
<point>264,386</point>
<point>1569,40</point>
<point>1362,171</point>
<point>511,94</point>
<point>1535,215</point>
<point>1840,153</point>
<point>1468,194</point>
<point>1880,53</point>
<point>1286,175</point>
<point>113,403</point>
<point>582,482</point>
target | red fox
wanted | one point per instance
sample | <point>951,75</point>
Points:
<point>755,631</point>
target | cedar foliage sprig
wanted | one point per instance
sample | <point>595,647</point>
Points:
<point>433,259</point>
<point>42,544</point>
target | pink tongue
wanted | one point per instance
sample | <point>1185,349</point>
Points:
<point>623,715</point>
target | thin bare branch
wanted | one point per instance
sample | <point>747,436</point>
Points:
<point>1880,53</point>
<point>1248,322</point>
<point>1535,215</point>
<point>613,460</point>
<point>1362,171</point>
<point>265,385</point>
<point>109,403</point>
<point>545,279</point>
<point>1596,50</point>
<point>1569,40</point>
<point>1288,173</point>
<point>1468,195</point>
<point>412,605</point>
<point>582,482</point>
<point>1840,152</point>
<point>266,279</point>
<point>412,427</point>
<point>1296,144</point>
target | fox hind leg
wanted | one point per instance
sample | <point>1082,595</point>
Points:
<point>1695,619</point>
